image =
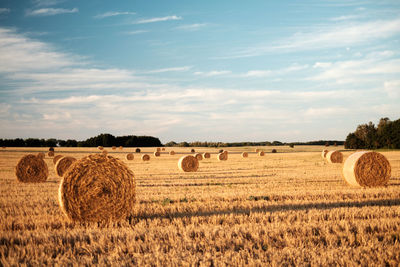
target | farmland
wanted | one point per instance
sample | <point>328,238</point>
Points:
<point>285,208</point>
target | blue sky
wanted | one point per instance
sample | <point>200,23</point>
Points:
<point>197,70</point>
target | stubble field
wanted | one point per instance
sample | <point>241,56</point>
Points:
<point>286,208</point>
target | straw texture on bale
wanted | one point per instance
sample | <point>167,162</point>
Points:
<point>100,147</point>
<point>157,153</point>
<point>129,156</point>
<point>188,163</point>
<point>137,150</point>
<point>31,169</point>
<point>192,150</point>
<point>97,188</point>
<point>172,152</point>
<point>113,147</point>
<point>63,164</point>
<point>145,157</point>
<point>56,158</point>
<point>198,156</point>
<point>367,169</point>
<point>334,157</point>
<point>206,155</point>
<point>324,152</point>
<point>261,153</point>
<point>245,155</point>
<point>50,153</point>
<point>222,156</point>
<point>41,155</point>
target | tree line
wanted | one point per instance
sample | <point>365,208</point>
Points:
<point>266,143</point>
<point>368,136</point>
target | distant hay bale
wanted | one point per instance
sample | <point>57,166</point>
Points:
<point>157,153</point>
<point>105,152</point>
<point>63,164</point>
<point>334,157</point>
<point>31,169</point>
<point>192,150</point>
<point>222,156</point>
<point>291,145</point>
<point>324,152</point>
<point>273,150</point>
<point>50,153</point>
<point>121,147</point>
<point>56,158</point>
<point>245,155</point>
<point>367,169</point>
<point>51,148</point>
<point>41,155</point>
<point>137,150</point>
<point>261,153</point>
<point>158,149</point>
<point>163,149</point>
<point>198,156</point>
<point>172,152</point>
<point>257,150</point>
<point>220,151</point>
<point>188,163</point>
<point>97,188</point>
<point>113,147</point>
<point>129,156</point>
<point>3,147</point>
<point>145,157</point>
<point>206,155</point>
<point>100,148</point>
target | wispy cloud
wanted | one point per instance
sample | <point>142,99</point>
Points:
<point>158,19</point>
<point>4,10</point>
<point>47,2</point>
<point>213,73</point>
<point>174,69</point>
<point>270,73</point>
<point>192,27</point>
<point>50,11</point>
<point>112,14</point>
<point>348,17</point>
<point>135,32</point>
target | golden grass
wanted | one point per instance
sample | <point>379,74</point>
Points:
<point>287,208</point>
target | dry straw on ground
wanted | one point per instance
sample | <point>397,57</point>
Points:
<point>56,158</point>
<point>97,188</point>
<point>367,169</point>
<point>172,152</point>
<point>50,153</point>
<point>188,163</point>
<point>157,153</point>
<point>137,150</point>
<point>129,156</point>
<point>261,153</point>
<point>145,157</point>
<point>31,169</point>
<point>245,155</point>
<point>334,157</point>
<point>324,152</point>
<point>198,156</point>
<point>206,155</point>
<point>222,156</point>
<point>41,155</point>
<point>63,164</point>
<point>100,147</point>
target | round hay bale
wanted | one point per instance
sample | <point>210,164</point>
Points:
<point>157,153</point>
<point>367,169</point>
<point>273,150</point>
<point>158,149</point>
<point>261,153</point>
<point>129,156</point>
<point>188,163</point>
<point>97,188</point>
<point>257,150</point>
<point>206,155</point>
<point>137,150</point>
<point>41,155</point>
<point>226,152</point>
<point>121,147</point>
<point>163,149</point>
<point>245,155</point>
<point>291,145</point>
<point>145,157</point>
<point>63,164</point>
<point>51,149</point>
<point>198,156</point>
<point>113,147</point>
<point>31,169</point>
<point>334,157</point>
<point>100,148</point>
<point>56,158</point>
<point>222,156</point>
<point>221,151</point>
<point>3,147</point>
<point>192,150</point>
<point>172,152</point>
<point>50,153</point>
<point>105,152</point>
<point>324,152</point>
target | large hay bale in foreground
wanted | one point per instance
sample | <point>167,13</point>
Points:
<point>188,163</point>
<point>222,156</point>
<point>198,156</point>
<point>245,155</point>
<point>206,155</point>
<point>145,157</point>
<point>129,156</point>
<point>172,152</point>
<point>63,164</point>
<point>157,153</point>
<point>367,169</point>
<point>50,153</point>
<point>137,150</point>
<point>97,188</point>
<point>324,152</point>
<point>261,153</point>
<point>41,155</point>
<point>31,169</point>
<point>334,157</point>
<point>56,158</point>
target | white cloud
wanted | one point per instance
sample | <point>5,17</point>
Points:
<point>50,11</point>
<point>159,19</point>
<point>213,73</point>
<point>135,32</point>
<point>348,17</point>
<point>192,27</point>
<point>4,10</point>
<point>322,64</point>
<point>113,14</point>
<point>47,2</point>
<point>258,73</point>
<point>173,69</point>
<point>392,88</point>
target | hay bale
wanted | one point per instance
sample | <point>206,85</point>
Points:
<point>157,153</point>
<point>198,156</point>
<point>334,157</point>
<point>366,169</point>
<point>100,148</point>
<point>273,150</point>
<point>222,156</point>
<point>51,148</point>
<point>31,169</point>
<point>257,150</point>
<point>97,188</point>
<point>324,152</point>
<point>121,147</point>
<point>206,155</point>
<point>113,147</point>
<point>63,164</point>
<point>129,156</point>
<point>50,153</point>
<point>145,157</point>
<point>261,153</point>
<point>3,147</point>
<point>137,150</point>
<point>221,151</point>
<point>105,152</point>
<point>188,163</point>
<point>56,158</point>
<point>163,149</point>
<point>158,149</point>
<point>245,155</point>
<point>192,150</point>
<point>41,155</point>
<point>172,152</point>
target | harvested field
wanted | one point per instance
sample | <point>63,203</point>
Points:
<point>286,208</point>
